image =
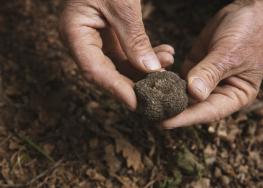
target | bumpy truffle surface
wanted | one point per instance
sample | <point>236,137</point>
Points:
<point>161,95</point>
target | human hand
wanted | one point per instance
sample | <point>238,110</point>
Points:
<point>225,67</point>
<point>108,41</point>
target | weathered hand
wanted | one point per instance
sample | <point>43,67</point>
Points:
<point>225,67</point>
<point>100,32</point>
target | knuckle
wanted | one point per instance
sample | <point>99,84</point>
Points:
<point>211,74</point>
<point>215,113</point>
<point>224,61</point>
<point>252,96</point>
<point>114,86</point>
<point>128,11</point>
<point>123,5</point>
<point>220,65</point>
<point>243,96</point>
<point>119,7</point>
<point>90,72</point>
<point>139,41</point>
<point>217,116</point>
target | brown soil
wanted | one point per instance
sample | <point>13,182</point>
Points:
<point>57,130</point>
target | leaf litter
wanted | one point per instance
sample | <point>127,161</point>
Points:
<point>94,140</point>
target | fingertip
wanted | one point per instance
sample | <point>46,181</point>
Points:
<point>169,49</point>
<point>181,120</point>
<point>150,62</point>
<point>165,58</point>
<point>171,124</point>
<point>126,94</point>
<point>131,105</point>
<point>168,127</point>
<point>165,48</point>
<point>198,88</point>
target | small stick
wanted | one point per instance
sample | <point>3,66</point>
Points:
<point>42,174</point>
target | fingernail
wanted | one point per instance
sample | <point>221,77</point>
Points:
<point>199,86</point>
<point>151,62</point>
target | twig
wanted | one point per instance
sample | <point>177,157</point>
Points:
<point>45,172</point>
<point>42,174</point>
<point>5,140</point>
<point>150,184</point>
<point>36,147</point>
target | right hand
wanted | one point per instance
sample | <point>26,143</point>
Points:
<point>108,41</point>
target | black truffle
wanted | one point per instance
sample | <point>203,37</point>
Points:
<point>161,95</point>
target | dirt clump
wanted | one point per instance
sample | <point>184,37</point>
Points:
<point>161,95</point>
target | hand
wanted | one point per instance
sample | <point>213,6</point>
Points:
<point>100,32</point>
<point>225,67</point>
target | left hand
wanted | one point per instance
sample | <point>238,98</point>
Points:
<point>225,67</point>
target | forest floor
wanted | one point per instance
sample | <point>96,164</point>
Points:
<point>58,130</point>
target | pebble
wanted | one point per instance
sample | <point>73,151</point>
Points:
<point>225,180</point>
<point>218,172</point>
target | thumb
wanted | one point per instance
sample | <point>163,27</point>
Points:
<point>205,76</point>
<point>126,19</point>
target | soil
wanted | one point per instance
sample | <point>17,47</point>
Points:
<point>58,130</point>
<point>161,95</point>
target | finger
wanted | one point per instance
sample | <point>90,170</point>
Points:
<point>201,45</point>
<point>110,79</point>
<point>126,19</point>
<point>113,50</point>
<point>225,101</point>
<point>130,71</point>
<point>111,46</point>
<point>164,48</point>
<point>165,58</point>
<point>85,44</point>
<point>205,76</point>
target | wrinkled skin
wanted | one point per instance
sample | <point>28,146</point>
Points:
<point>224,69</point>
<point>108,41</point>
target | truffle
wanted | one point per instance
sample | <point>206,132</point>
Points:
<point>161,95</point>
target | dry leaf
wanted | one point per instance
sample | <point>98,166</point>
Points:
<point>210,154</point>
<point>127,150</point>
<point>130,153</point>
<point>202,183</point>
<point>126,182</point>
<point>5,171</point>
<point>94,175</point>
<point>112,162</point>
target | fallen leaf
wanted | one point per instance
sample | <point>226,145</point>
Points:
<point>94,175</point>
<point>5,171</point>
<point>112,162</point>
<point>127,150</point>
<point>202,183</point>
<point>210,154</point>
<point>226,168</point>
<point>188,162</point>
<point>126,182</point>
<point>132,155</point>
